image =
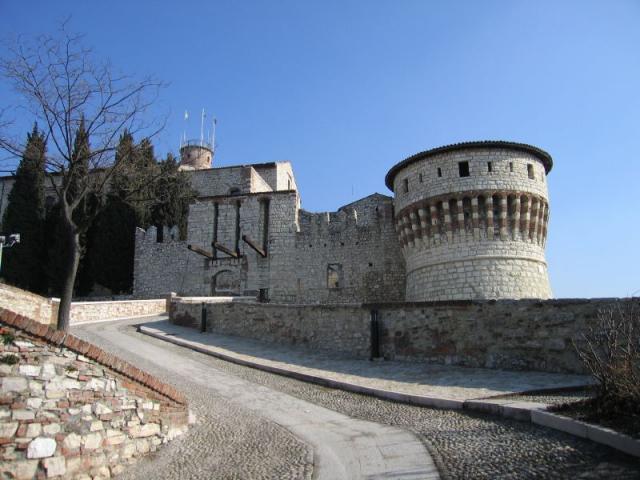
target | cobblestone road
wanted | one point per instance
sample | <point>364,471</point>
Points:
<point>463,445</point>
<point>342,447</point>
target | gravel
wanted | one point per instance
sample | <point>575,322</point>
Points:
<point>463,445</point>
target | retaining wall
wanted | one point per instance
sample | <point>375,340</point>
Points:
<point>71,410</point>
<point>45,310</point>
<point>339,328</point>
<point>505,334</point>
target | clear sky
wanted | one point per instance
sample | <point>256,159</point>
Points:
<point>346,89</point>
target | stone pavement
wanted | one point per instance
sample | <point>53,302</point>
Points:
<point>343,447</point>
<point>441,385</point>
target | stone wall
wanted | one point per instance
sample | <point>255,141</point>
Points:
<point>70,409</point>
<point>504,334</point>
<point>41,309</point>
<point>45,310</point>
<point>359,244</point>
<point>82,312</point>
<point>338,328</point>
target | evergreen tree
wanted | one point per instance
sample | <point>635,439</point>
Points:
<point>112,238</point>
<point>23,263</point>
<point>173,194</point>
<point>58,249</point>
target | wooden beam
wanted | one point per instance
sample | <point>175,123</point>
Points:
<point>224,249</point>
<point>252,244</point>
<point>200,251</point>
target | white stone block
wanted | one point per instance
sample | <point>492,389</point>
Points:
<point>30,370</point>
<point>14,384</point>
<point>41,447</point>
<point>55,466</point>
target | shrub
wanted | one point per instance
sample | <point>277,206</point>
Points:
<point>7,338</point>
<point>9,359</point>
<point>610,350</point>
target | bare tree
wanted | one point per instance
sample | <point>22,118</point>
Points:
<point>610,351</point>
<point>67,91</point>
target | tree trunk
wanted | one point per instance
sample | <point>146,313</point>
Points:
<point>71,257</point>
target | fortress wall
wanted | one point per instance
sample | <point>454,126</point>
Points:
<point>360,247</point>
<point>503,334</point>
<point>338,328</point>
<point>164,267</point>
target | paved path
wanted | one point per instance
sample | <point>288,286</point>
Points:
<point>343,447</point>
<point>419,379</point>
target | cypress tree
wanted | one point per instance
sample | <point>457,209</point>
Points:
<point>58,249</point>
<point>173,194</point>
<point>22,264</point>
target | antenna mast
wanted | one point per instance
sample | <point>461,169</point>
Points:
<point>202,129</point>
<point>213,135</point>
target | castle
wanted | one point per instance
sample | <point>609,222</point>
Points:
<point>467,221</point>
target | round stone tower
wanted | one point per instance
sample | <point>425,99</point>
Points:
<point>195,155</point>
<point>472,221</point>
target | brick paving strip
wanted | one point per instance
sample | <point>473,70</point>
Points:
<point>343,447</point>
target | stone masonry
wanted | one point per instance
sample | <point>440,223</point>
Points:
<point>468,221</point>
<point>505,334</point>
<point>70,410</point>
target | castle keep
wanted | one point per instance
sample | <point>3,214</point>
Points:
<point>467,221</point>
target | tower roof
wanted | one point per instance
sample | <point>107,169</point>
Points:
<point>544,157</point>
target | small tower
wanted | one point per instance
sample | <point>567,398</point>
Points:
<point>472,221</point>
<point>197,154</point>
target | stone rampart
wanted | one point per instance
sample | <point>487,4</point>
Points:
<point>504,334</point>
<point>71,410</point>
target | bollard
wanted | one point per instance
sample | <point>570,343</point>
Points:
<point>375,335</point>
<point>203,319</point>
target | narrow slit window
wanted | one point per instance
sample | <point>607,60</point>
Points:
<point>405,185</point>
<point>530,171</point>
<point>420,178</point>
<point>511,167</point>
<point>439,172</point>
<point>489,167</point>
<point>463,169</point>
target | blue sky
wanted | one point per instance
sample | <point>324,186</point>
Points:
<point>346,89</point>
